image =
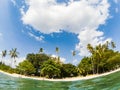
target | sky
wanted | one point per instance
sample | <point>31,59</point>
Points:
<point>29,25</point>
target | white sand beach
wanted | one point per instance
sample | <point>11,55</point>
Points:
<point>64,79</point>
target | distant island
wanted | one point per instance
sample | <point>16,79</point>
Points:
<point>103,59</point>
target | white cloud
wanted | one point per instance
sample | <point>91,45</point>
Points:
<point>9,61</point>
<point>116,10</point>
<point>82,17</point>
<point>18,60</point>
<point>14,2</point>
<point>38,38</point>
<point>75,61</point>
<point>61,58</point>
<point>89,36</point>
<point>0,52</point>
<point>116,1</point>
<point>22,10</point>
<point>0,34</point>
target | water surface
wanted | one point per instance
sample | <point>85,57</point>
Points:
<point>110,82</point>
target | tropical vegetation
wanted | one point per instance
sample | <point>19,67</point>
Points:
<point>102,58</point>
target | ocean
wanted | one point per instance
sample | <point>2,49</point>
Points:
<point>109,82</point>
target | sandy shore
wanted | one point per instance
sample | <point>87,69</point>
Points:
<point>64,79</point>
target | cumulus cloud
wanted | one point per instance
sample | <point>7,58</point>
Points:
<point>61,58</point>
<point>9,61</point>
<point>116,1</point>
<point>18,60</point>
<point>82,17</point>
<point>14,2</point>
<point>0,34</point>
<point>38,38</point>
<point>116,10</point>
<point>75,61</point>
<point>89,36</point>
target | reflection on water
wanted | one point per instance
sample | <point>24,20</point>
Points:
<point>110,82</point>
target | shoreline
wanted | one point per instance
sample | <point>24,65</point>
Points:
<point>63,79</point>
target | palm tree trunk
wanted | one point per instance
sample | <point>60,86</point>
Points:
<point>2,60</point>
<point>11,63</point>
<point>97,66</point>
<point>92,65</point>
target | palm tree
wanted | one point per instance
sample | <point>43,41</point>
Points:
<point>57,52</point>
<point>73,54</point>
<point>4,53</point>
<point>113,44</point>
<point>99,53</point>
<point>41,50</point>
<point>91,50</point>
<point>14,54</point>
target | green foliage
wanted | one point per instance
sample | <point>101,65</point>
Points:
<point>50,69</point>
<point>69,70</point>
<point>41,50</point>
<point>6,68</point>
<point>57,49</point>
<point>37,60</point>
<point>13,54</point>
<point>85,66</point>
<point>26,68</point>
<point>4,53</point>
<point>114,62</point>
<point>102,59</point>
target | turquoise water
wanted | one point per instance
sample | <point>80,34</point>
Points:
<point>110,82</point>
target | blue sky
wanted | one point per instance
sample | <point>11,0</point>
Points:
<point>66,24</point>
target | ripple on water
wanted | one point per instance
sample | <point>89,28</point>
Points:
<point>110,82</point>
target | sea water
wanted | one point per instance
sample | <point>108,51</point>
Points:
<point>109,82</point>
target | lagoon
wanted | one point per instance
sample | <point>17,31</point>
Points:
<point>109,82</point>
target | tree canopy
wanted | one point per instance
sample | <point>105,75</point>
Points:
<point>26,68</point>
<point>102,58</point>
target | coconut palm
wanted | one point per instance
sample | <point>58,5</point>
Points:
<point>57,52</point>
<point>99,50</point>
<point>14,54</point>
<point>73,53</point>
<point>97,54</point>
<point>41,50</point>
<point>91,50</point>
<point>4,53</point>
<point>113,44</point>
